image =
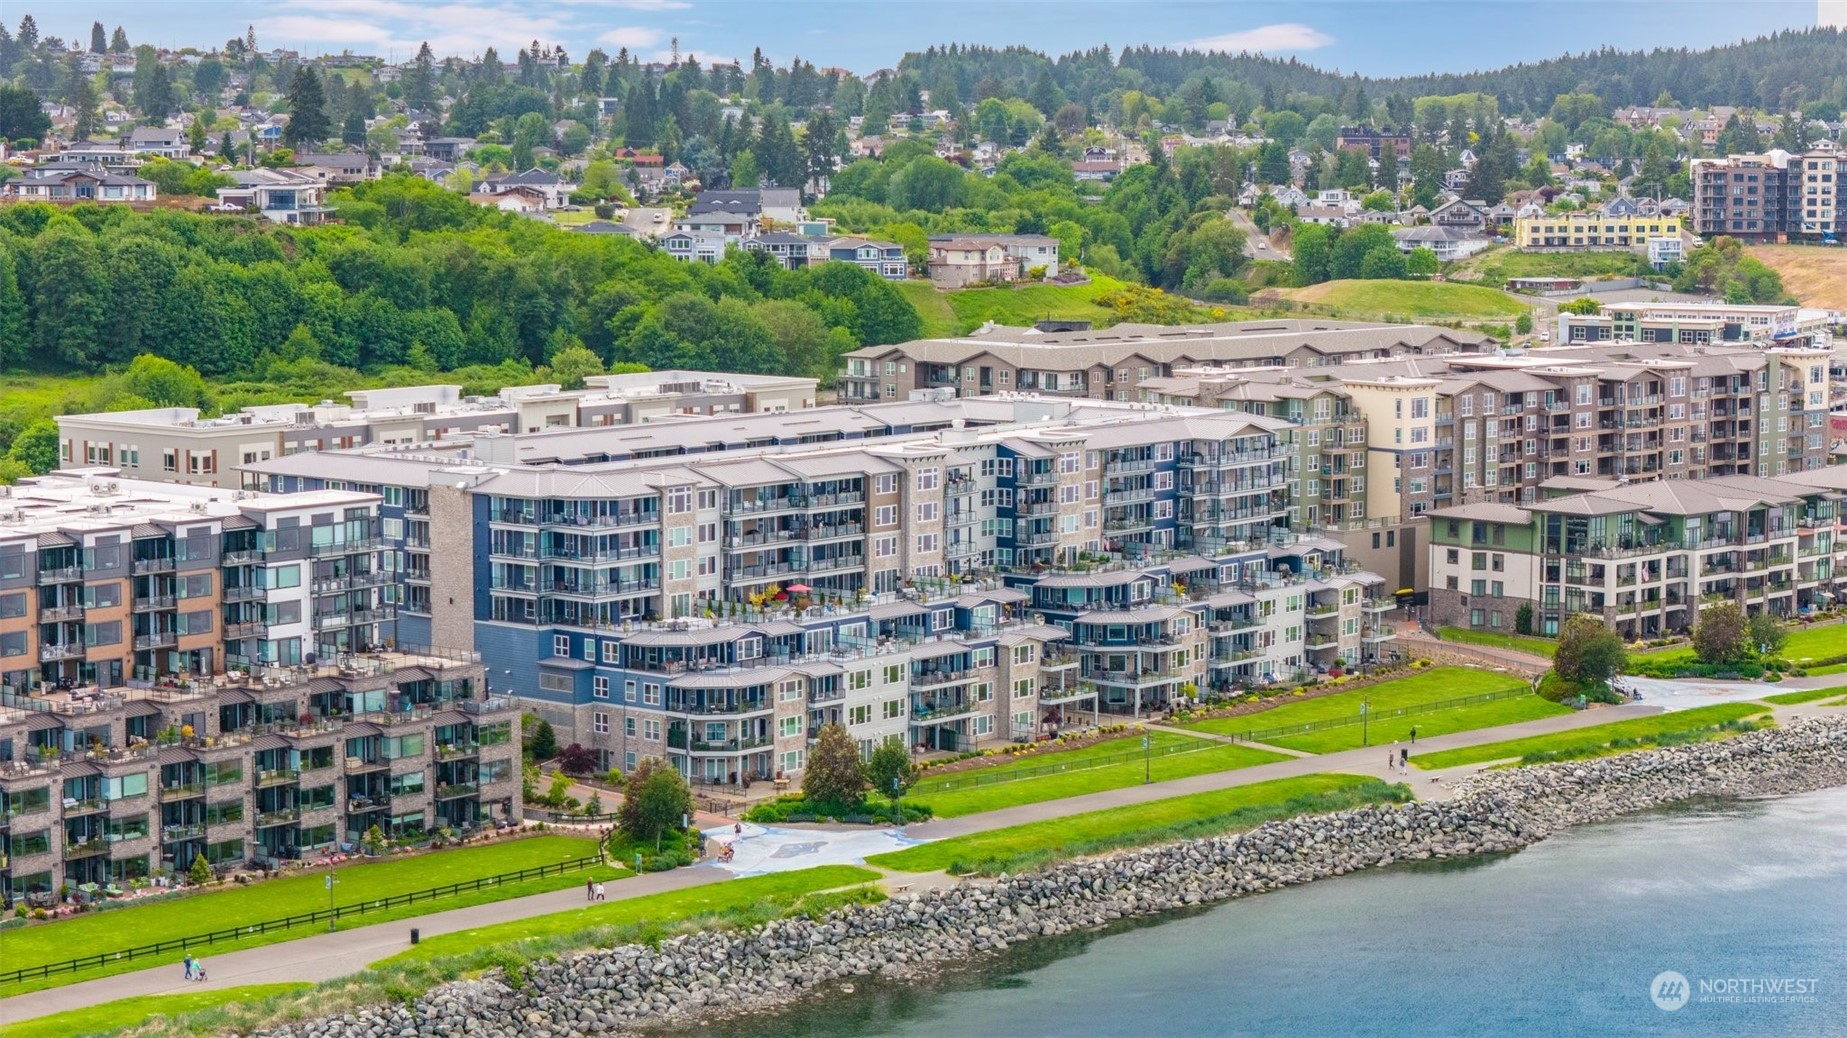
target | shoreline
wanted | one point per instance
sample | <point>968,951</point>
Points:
<point>636,989</point>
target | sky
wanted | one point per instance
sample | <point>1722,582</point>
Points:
<point>1372,37</point>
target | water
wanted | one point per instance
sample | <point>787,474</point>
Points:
<point>1560,939</point>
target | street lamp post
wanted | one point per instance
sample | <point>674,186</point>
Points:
<point>1147,762</point>
<point>1364,702</point>
<point>897,809</point>
<point>330,909</point>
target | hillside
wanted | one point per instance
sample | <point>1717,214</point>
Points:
<point>1411,299</point>
<point>955,313</point>
<point>1815,276</point>
<point>1493,267</point>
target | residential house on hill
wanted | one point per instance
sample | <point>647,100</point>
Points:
<point>160,142</point>
<point>1449,243</point>
<point>958,262</point>
<point>886,259</point>
<point>516,199</point>
<point>1461,214</point>
<point>93,184</point>
<point>548,186</point>
<point>337,168</point>
<point>1026,251</point>
<point>277,195</point>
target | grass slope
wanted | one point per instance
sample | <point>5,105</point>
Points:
<point>1807,696</point>
<point>1494,267</point>
<point>1410,299</point>
<point>959,794</point>
<point>654,915</point>
<point>1596,739</point>
<point>1816,276</point>
<point>1437,722</point>
<point>954,313</point>
<point>1494,639</point>
<point>1032,845</point>
<point>126,1013</point>
<point>1430,686</point>
<point>273,899</point>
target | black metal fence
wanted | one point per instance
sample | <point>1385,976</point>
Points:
<point>238,933</point>
<point>1370,716</point>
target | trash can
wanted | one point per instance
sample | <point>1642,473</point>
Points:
<point>414,935</point>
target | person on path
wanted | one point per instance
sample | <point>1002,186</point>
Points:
<point>1414,735</point>
<point>198,970</point>
<point>1390,765</point>
<point>600,896</point>
<point>186,963</point>
<point>589,890</point>
<point>1404,758</point>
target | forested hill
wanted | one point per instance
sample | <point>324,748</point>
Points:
<point>1776,73</point>
<point>416,276</point>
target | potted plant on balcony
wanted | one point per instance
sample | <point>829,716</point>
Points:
<point>374,842</point>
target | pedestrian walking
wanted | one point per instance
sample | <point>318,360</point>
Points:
<point>589,890</point>
<point>186,964</point>
<point>1390,764</point>
<point>1404,758</point>
<point>1414,735</point>
<point>600,896</point>
<point>198,970</point>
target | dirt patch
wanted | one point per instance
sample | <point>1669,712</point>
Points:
<point>1815,274</point>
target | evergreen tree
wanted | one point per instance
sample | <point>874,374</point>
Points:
<point>118,41</point>
<point>777,156</point>
<point>353,130</point>
<point>99,38</point>
<point>157,99</point>
<point>420,82</point>
<point>818,147</point>
<point>82,97</point>
<point>308,123</point>
<point>27,36</point>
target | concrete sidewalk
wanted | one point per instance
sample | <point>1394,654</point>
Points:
<point>330,955</point>
<point>326,956</point>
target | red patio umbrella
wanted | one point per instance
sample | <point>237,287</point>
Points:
<point>798,588</point>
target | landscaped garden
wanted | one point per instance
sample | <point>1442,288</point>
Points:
<point>1640,733</point>
<point>235,905</point>
<point>1034,844</point>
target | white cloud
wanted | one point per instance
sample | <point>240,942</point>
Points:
<point>646,5</point>
<point>634,37</point>
<point>458,27</point>
<point>1269,39</point>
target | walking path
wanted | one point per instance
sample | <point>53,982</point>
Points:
<point>763,849</point>
<point>1214,737</point>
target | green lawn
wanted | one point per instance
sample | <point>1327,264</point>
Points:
<point>1411,299</point>
<point>1805,696</point>
<point>124,1013</point>
<point>658,914</point>
<point>1429,686</point>
<point>1391,730</point>
<point>1495,639</point>
<point>1497,265</point>
<point>1595,739</point>
<point>955,313</point>
<point>1177,818</point>
<point>273,899</point>
<point>1815,643</point>
<point>963,797</point>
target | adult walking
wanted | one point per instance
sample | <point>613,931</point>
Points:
<point>186,964</point>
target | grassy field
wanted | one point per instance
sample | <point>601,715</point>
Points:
<point>954,795</point>
<point>1494,639</point>
<point>1595,740</point>
<point>1437,722</point>
<point>1817,642</point>
<point>1418,299</point>
<point>1496,265</point>
<point>648,917</point>
<point>1815,275</point>
<point>1430,686</point>
<point>1028,846</point>
<point>273,899</point>
<point>1804,696</point>
<point>126,1013</point>
<point>954,313</point>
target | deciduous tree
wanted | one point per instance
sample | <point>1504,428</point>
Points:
<point>1588,651</point>
<point>1721,635</point>
<point>834,774</point>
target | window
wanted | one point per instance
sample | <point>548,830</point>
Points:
<point>599,722</point>
<point>599,687</point>
<point>789,727</point>
<point>885,515</point>
<point>860,714</point>
<point>561,645</point>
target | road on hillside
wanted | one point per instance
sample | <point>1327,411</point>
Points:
<point>1252,236</point>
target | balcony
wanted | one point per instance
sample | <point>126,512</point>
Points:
<point>160,565</point>
<point>1379,633</point>
<point>157,640</point>
<point>144,602</point>
<point>247,629</point>
<point>351,582</point>
<point>1133,679</point>
<point>57,613</point>
<point>935,679</point>
<point>462,751</point>
<point>837,564</point>
<point>1054,662</point>
<point>59,651</point>
<point>1378,605</point>
<point>277,777</point>
<point>842,531</point>
<point>180,833</point>
<point>87,849</point>
<point>1065,693</point>
<point>1321,643</point>
<point>244,593</point>
<point>284,816</point>
<point>241,558</point>
<point>926,714</point>
<point>60,574</point>
<point>1322,612</point>
<point>181,791</point>
<point>351,547</point>
<point>79,808</point>
<point>454,790</point>
<point>360,765</point>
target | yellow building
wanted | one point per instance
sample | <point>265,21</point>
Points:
<point>1587,231</point>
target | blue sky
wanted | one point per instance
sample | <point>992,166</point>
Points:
<point>1373,37</point>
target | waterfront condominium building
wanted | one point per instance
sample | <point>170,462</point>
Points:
<point>187,671</point>
<point>176,445</point>
<point>1642,556</point>
<point>939,573</point>
<point>1111,363</point>
<point>1698,324</point>
<point>1776,196</point>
